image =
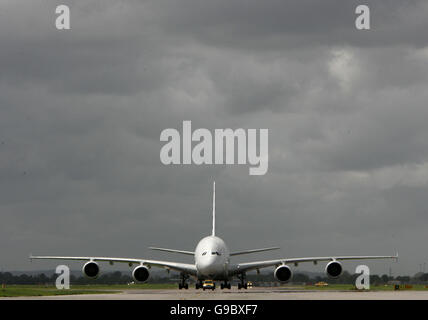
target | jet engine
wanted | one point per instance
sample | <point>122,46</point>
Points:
<point>140,274</point>
<point>333,269</point>
<point>91,269</point>
<point>283,273</point>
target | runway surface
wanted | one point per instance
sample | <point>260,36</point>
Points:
<point>234,294</point>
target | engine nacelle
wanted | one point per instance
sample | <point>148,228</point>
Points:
<point>91,270</point>
<point>140,274</point>
<point>333,269</point>
<point>283,273</point>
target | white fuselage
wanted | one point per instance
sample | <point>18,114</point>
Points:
<point>212,259</point>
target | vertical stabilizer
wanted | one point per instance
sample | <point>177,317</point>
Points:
<point>213,233</point>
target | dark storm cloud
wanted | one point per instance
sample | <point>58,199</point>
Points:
<point>81,112</point>
<point>279,24</point>
<point>108,52</point>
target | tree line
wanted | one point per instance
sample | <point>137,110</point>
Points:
<point>118,277</point>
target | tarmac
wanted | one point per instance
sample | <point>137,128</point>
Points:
<point>258,293</point>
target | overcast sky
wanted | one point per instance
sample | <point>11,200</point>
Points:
<point>81,112</point>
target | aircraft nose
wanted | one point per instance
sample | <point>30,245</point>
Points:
<point>207,265</point>
<point>206,262</point>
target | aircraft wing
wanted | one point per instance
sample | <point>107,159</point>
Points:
<point>175,266</point>
<point>236,253</point>
<point>248,266</point>
<point>190,253</point>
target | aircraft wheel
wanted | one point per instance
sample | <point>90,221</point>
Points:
<point>239,286</point>
<point>180,286</point>
<point>186,286</point>
<point>222,286</point>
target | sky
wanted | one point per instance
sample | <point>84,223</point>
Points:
<point>82,110</point>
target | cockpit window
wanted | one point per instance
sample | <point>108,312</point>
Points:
<point>215,253</point>
<point>204,253</point>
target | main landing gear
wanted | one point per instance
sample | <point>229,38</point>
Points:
<point>183,284</point>
<point>225,285</point>
<point>242,284</point>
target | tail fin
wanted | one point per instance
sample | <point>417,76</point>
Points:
<point>213,232</point>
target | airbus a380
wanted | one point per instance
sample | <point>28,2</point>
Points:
<point>212,262</point>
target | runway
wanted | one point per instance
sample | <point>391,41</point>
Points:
<point>235,294</point>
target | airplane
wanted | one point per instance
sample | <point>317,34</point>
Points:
<point>212,262</point>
